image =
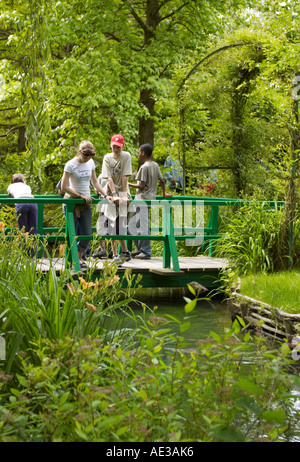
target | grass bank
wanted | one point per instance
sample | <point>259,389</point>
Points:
<point>281,290</point>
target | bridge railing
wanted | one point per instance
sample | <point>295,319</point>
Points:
<point>179,218</point>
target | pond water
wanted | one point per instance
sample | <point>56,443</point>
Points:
<point>206,317</point>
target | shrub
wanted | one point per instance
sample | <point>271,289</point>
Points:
<point>252,238</point>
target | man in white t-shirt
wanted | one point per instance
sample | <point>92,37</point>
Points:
<point>116,169</point>
<point>148,177</point>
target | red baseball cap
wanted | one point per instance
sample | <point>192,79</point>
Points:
<point>118,140</point>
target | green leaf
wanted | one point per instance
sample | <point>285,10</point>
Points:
<point>15,392</point>
<point>157,348</point>
<point>241,321</point>
<point>247,402</point>
<point>122,430</point>
<point>185,326</point>
<point>251,387</point>
<point>143,394</point>
<point>190,306</point>
<point>64,398</point>
<point>274,416</point>
<point>191,289</point>
<point>215,336</point>
<point>119,352</point>
<point>80,433</point>
<point>149,344</point>
<point>22,380</point>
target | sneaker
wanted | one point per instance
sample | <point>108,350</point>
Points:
<point>134,253</point>
<point>126,255</point>
<point>120,259</point>
<point>143,256</point>
<point>100,254</point>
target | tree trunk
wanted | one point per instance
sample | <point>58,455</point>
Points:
<point>146,124</point>
<point>21,140</point>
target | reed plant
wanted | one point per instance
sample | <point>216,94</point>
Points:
<point>251,242</point>
<point>46,305</point>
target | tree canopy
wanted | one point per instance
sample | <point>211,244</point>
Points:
<point>73,70</point>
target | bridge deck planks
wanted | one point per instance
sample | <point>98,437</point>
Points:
<point>187,264</point>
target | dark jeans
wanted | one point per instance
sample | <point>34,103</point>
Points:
<point>83,246</point>
<point>27,217</point>
<point>83,226</point>
<point>140,225</point>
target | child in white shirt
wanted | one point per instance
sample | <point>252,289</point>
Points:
<point>26,213</point>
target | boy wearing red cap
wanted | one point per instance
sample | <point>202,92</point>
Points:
<point>116,169</point>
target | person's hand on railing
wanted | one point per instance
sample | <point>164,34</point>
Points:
<point>88,199</point>
<point>168,195</point>
<point>121,200</point>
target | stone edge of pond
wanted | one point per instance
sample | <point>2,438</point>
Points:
<point>263,318</point>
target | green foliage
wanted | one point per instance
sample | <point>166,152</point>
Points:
<point>75,371</point>
<point>148,390</point>
<point>77,71</point>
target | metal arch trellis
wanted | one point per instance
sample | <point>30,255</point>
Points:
<point>180,93</point>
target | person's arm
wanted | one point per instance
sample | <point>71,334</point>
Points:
<point>163,188</point>
<point>97,185</point>
<point>124,184</point>
<point>139,185</point>
<point>112,187</point>
<point>9,191</point>
<point>106,175</point>
<point>124,191</point>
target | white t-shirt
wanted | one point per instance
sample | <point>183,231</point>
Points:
<point>149,173</point>
<point>17,190</point>
<point>115,168</point>
<point>80,175</point>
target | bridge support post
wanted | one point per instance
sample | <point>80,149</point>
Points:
<point>72,252</point>
<point>213,224</point>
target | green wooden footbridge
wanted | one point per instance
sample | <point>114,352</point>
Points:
<point>181,218</point>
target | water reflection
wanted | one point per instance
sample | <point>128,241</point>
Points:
<point>206,317</point>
